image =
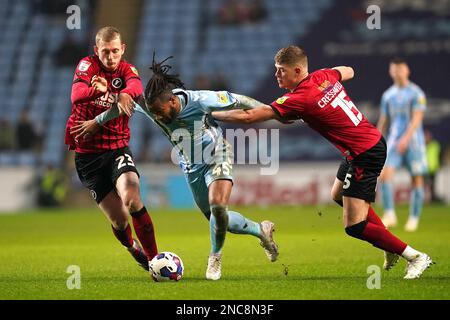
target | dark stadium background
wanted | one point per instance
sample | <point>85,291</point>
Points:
<point>218,45</point>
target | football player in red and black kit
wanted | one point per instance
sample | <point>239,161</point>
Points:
<point>103,161</point>
<point>320,100</point>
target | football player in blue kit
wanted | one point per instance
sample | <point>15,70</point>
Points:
<point>205,157</point>
<point>403,106</point>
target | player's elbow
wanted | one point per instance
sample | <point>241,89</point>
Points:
<point>75,98</point>
<point>349,73</point>
<point>248,119</point>
<point>352,72</point>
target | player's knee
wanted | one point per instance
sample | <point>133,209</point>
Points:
<point>336,196</point>
<point>219,211</point>
<point>218,200</point>
<point>132,201</point>
<point>385,177</point>
<point>119,224</point>
<point>356,230</point>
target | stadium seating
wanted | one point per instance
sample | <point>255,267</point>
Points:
<point>188,30</point>
<point>30,79</point>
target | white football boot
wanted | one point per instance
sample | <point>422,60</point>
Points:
<point>389,220</point>
<point>412,224</point>
<point>390,259</point>
<point>417,266</point>
<point>267,242</point>
<point>214,269</point>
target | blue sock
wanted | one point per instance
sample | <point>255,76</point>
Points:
<point>387,195</point>
<point>218,225</point>
<point>212,234</point>
<point>237,223</point>
<point>416,201</point>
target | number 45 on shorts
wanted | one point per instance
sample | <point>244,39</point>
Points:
<point>222,168</point>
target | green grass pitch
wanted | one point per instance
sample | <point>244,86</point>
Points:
<point>317,259</point>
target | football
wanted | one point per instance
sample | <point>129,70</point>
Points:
<point>166,266</point>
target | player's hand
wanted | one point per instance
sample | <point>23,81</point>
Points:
<point>402,145</point>
<point>99,84</point>
<point>125,104</point>
<point>84,129</point>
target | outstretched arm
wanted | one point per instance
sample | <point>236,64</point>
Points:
<point>258,114</point>
<point>245,102</point>
<point>86,128</point>
<point>347,73</point>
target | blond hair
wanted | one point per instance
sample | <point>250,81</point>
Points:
<point>107,34</point>
<point>291,56</point>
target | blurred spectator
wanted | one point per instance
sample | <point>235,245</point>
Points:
<point>69,53</point>
<point>235,12</point>
<point>257,11</point>
<point>202,82</point>
<point>7,135</point>
<point>52,7</point>
<point>433,158</point>
<point>27,136</point>
<point>52,188</point>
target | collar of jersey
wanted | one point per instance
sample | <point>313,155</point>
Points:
<point>306,78</point>
<point>183,96</point>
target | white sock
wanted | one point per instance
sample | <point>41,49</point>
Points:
<point>410,253</point>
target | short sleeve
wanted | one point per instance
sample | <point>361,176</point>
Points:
<point>130,72</point>
<point>419,101</point>
<point>84,72</point>
<point>217,100</point>
<point>334,74</point>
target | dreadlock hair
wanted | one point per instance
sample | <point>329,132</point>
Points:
<point>161,83</point>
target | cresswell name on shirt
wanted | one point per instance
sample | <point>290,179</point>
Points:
<point>330,93</point>
<point>107,100</point>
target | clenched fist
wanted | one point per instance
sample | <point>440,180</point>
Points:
<point>99,84</point>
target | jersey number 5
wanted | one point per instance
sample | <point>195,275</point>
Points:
<point>347,106</point>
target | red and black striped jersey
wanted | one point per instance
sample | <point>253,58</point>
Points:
<point>87,103</point>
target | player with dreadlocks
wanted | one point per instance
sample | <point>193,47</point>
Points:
<point>204,155</point>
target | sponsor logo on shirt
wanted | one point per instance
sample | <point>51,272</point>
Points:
<point>329,96</point>
<point>134,71</point>
<point>107,100</point>
<point>116,83</point>
<point>84,65</point>
<point>325,86</point>
<point>281,100</point>
<point>422,100</point>
<point>222,97</point>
